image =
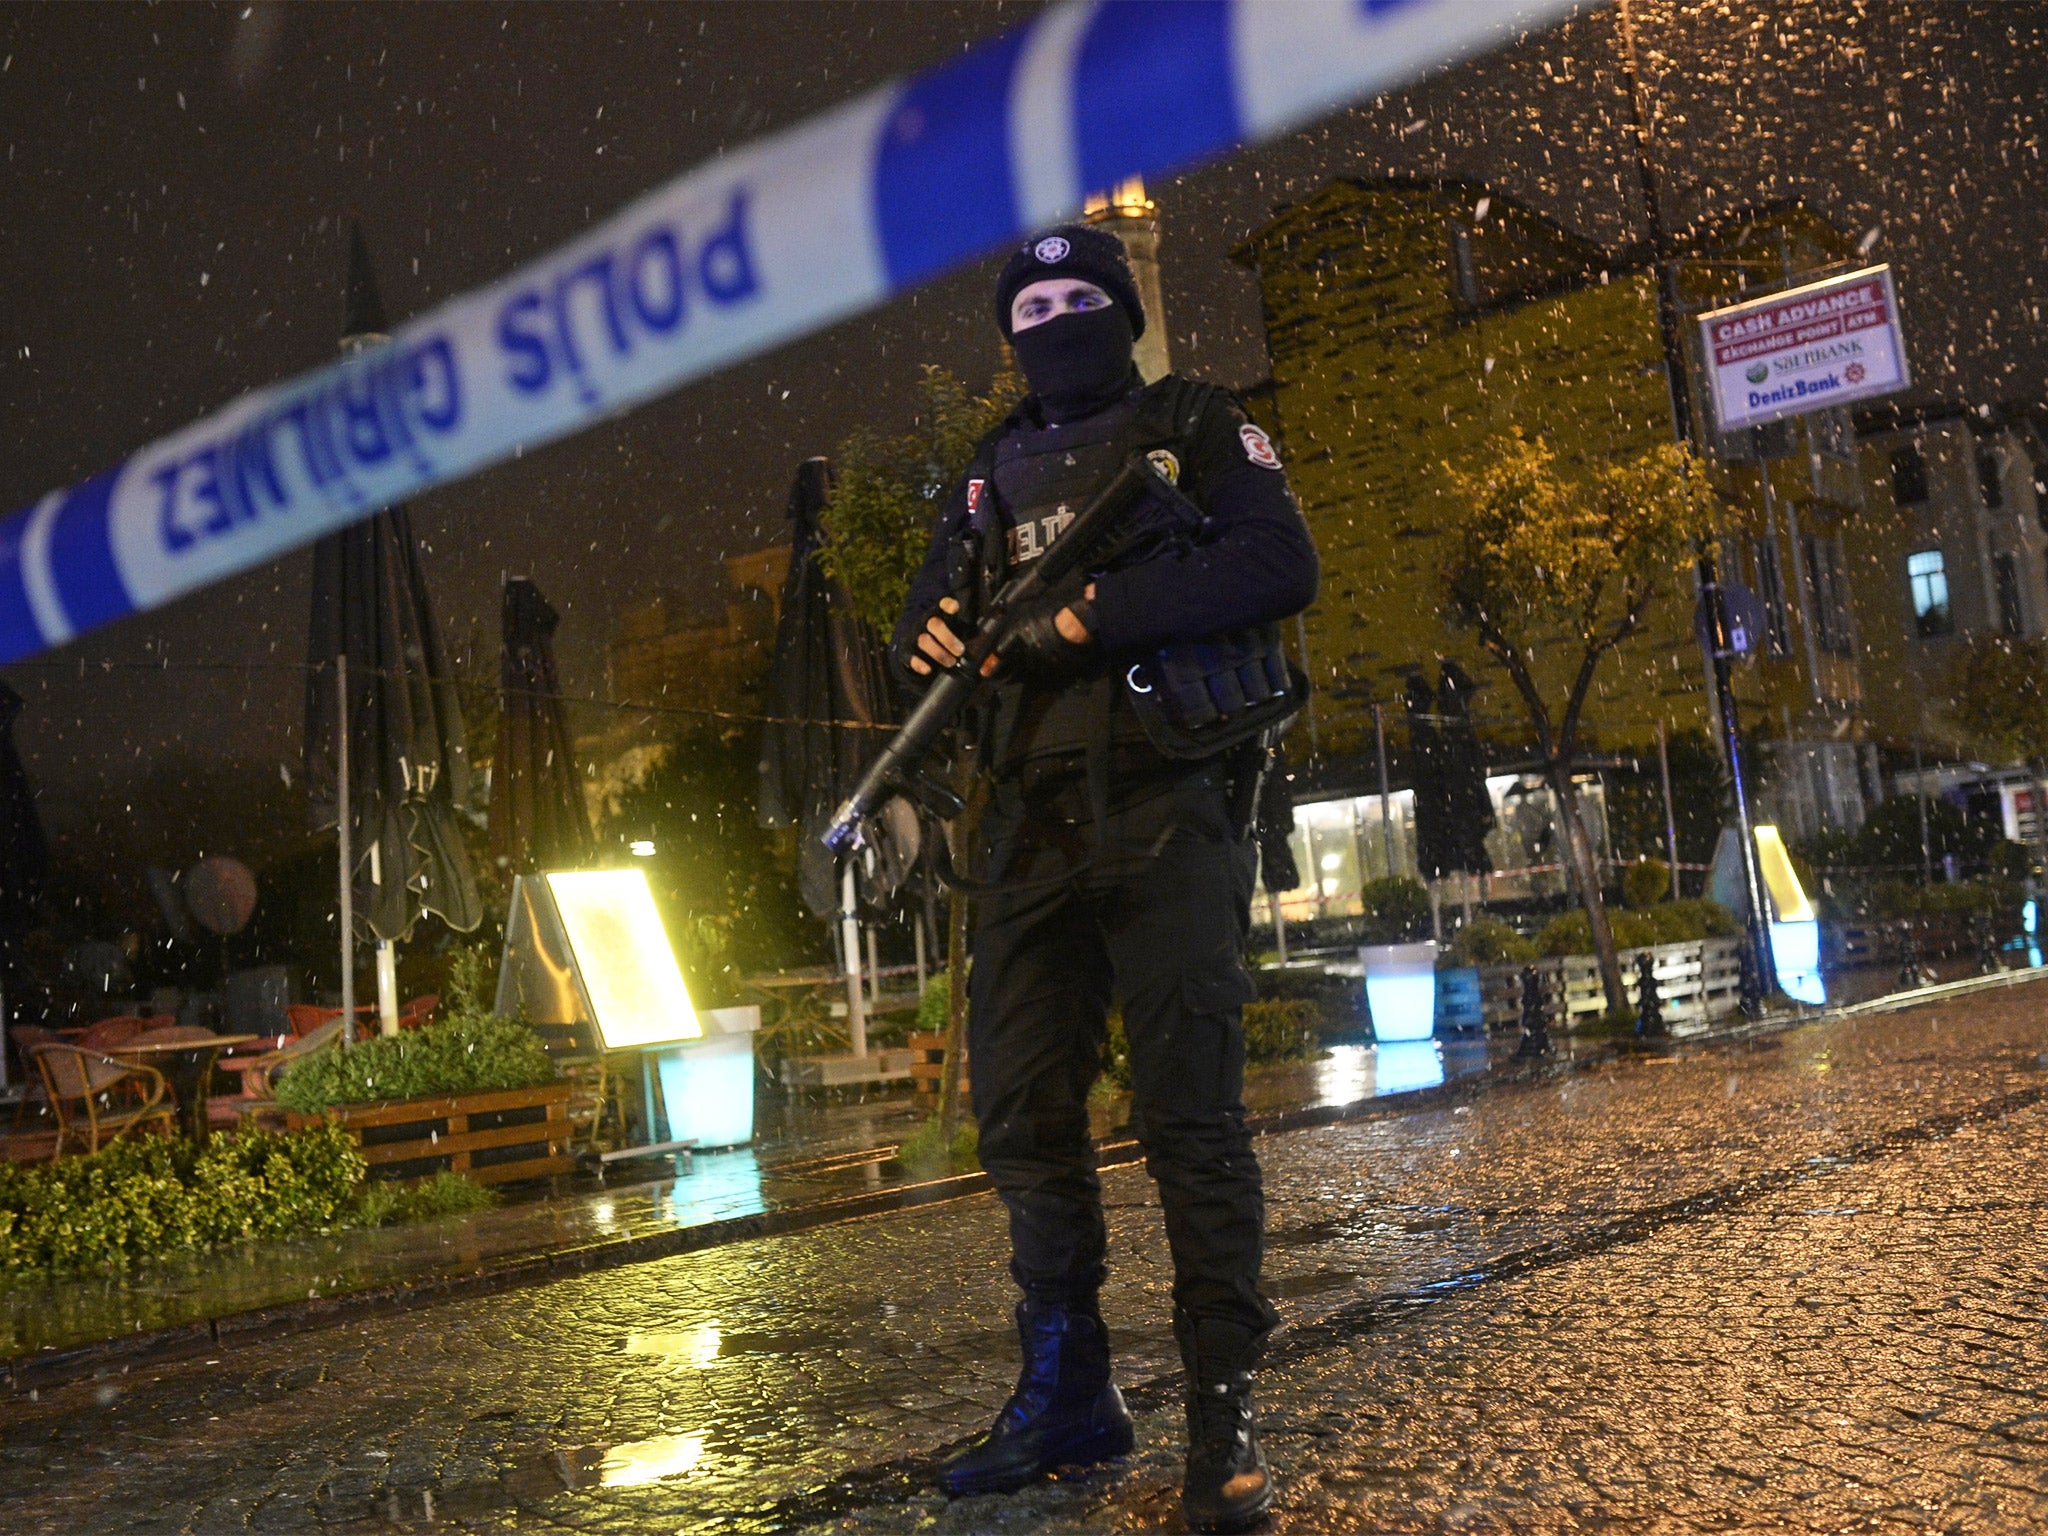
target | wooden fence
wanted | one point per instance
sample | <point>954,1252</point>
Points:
<point>493,1138</point>
<point>1697,983</point>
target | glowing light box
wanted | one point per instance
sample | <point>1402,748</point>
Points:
<point>629,972</point>
<point>1795,928</point>
<point>587,947</point>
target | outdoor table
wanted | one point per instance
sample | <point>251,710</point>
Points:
<point>187,1065</point>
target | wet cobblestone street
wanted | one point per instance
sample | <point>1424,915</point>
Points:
<point>1794,1283</point>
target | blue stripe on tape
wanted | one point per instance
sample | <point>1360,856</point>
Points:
<point>943,188</point>
<point>1152,88</point>
<point>19,633</point>
<point>82,557</point>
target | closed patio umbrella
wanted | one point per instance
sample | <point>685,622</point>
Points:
<point>827,683</point>
<point>380,699</point>
<point>538,817</point>
<point>24,859</point>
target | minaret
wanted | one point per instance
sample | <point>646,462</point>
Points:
<point>362,311</point>
<point>1134,219</point>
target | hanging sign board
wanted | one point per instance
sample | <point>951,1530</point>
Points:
<point>1828,343</point>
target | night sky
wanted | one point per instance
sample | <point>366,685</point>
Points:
<point>178,180</point>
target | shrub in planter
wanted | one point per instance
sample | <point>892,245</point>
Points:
<point>468,1053</point>
<point>1486,941</point>
<point>1396,910</point>
<point>1645,883</point>
<point>1971,898</point>
<point>1669,922</point>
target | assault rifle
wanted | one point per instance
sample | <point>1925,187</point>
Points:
<point>1100,532</point>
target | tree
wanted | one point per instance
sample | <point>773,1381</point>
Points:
<point>2001,698</point>
<point>888,493</point>
<point>889,490</point>
<point>728,902</point>
<point>1544,555</point>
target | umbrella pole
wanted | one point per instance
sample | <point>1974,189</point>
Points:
<point>849,942</point>
<point>348,897</point>
<point>387,987</point>
<point>917,937</point>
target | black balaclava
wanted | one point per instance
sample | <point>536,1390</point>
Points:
<point>1077,363</point>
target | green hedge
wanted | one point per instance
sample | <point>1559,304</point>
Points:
<point>149,1197</point>
<point>1669,922</point>
<point>470,1053</point>
<point>387,1202</point>
<point>1277,1029</point>
<point>1487,941</point>
<point>1971,898</point>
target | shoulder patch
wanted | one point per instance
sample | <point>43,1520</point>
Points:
<point>974,495</point>
<point>1168,466</point>
<point>1258,447</point>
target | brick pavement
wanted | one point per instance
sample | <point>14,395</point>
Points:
<point>1771,1285</point>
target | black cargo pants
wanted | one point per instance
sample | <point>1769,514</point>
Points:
<point>1158,921</point>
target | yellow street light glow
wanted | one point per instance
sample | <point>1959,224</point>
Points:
<point>641,848</point>
<point>629,971</point>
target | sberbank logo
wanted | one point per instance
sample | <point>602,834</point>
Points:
<point>1757,373</point>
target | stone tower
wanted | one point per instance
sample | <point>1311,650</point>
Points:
<point>1134,219</point>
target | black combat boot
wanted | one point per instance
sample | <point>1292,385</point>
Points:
<point>1066,1412</point>
<point>1228,1487</point>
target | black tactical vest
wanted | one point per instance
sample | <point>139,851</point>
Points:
<point>1041,479</point>
<point>1186,704</point>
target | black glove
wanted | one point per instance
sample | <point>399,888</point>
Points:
<point>1033,649</point>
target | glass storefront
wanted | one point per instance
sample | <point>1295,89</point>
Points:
<point>1340,844</point>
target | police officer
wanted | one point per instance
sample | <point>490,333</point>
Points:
<point>1114,868</point>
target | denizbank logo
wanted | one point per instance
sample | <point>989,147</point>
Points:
<point>1798,389</point>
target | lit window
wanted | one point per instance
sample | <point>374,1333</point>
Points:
<point>1928,575</point>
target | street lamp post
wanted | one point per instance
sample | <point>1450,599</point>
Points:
<point>1719,647</point>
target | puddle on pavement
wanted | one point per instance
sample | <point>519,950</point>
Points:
<point>1298,1287</point>
<point>535,1479</point>
<point>1386,1222</point>
<point>707,1348</point>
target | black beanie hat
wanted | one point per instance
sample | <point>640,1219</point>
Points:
<point>1072,250</point>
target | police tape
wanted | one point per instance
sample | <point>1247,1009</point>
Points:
<point>802,229</point>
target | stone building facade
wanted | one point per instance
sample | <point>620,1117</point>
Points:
<point>1411,324</point>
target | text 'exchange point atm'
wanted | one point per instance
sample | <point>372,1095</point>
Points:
<point>587,959</point>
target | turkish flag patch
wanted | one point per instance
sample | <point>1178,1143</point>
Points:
<point>974,495</point>
<point>1258,447</point>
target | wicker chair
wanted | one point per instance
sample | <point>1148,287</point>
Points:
<point>97,1100</point>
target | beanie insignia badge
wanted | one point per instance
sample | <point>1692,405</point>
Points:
<point>1167,465</point>
<point>1051,249</point>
